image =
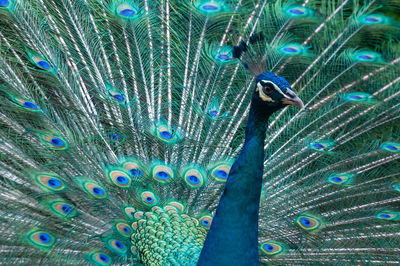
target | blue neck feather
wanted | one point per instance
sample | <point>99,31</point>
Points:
<point>233,236</point>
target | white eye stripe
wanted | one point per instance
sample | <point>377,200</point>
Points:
<point>260,87</point>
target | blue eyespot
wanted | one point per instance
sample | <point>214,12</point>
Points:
<point>66,209</point>
<point>289,49</point>
<point>98,191</point>
<point>391,146</point>
<point>114,136</point>
<point>305,222</point>
<point>221,174</point>
<point>312,224</point>
<point>30,105</point>
<point>52,182</point>
<point>57,142</point>
<point>299,12</point>
<point>45,238</point>
<point>43,64</point>
<point>209,7</point>
<point>273,248</point>
<point>341,179</point>
<point>223,56</point>
<point>358,97</point>
<point>213,113</point>
<point>122,180</point>
<point>126,229</point>
<point>296,11</point>
<point>355,97</point>
<point>119,244</point>
<point>162,175</point>
<point>166,135</point>
<point>194,179</point>
<point>103,257</point>
<point>319,146</point>
<point>149,199</point>
<point>136,172</point>
<point>371,19</point>
<point>293,49</point>
<point>4,3</point>
<point>127,12</point>
<point>269,247</point>
<point>119,97</point>
<point>389,215</point>
<point>374,19</point>
<point>206,221</point>
<point>365,57</point>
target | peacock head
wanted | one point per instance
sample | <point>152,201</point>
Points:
<point>273,92</point>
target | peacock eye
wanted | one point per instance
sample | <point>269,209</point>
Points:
<point>268,88</point>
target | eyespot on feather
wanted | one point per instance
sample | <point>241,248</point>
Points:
<point>135,170</point>
<point>148,198</point>
<point>100,258</point>
<point>6,4</point>
<point>49,181</point>
<point>194,178</point>
<point>391,147</point>
<point>139,215</point>
<point>211,7</point>
<point>220,171</point>
<point>358,97</point>
<point>130,212</point>
<point>388,215</point>
<point>298,12</point>
<point>25,104</point>
<point>62,208</point>
<point>206,221</point>
<point>162,174</point>
<point>292,49</point>
<point>340,179</point>
<point>95,190</point>
<point>40,239</point>
<point>309,223</point>
<point>56,142</point>
<point>116,246</point>
<point>117,96</point>
<point>367,56</point>
<point>123,229</point>
<point>322,145</point>
<point>127,11</point>
<point>374,19</point>
<point>273,248</point>
<point>119,177</point>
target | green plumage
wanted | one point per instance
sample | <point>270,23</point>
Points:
<point>120,121</point>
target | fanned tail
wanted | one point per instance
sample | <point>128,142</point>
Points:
<point>120,121</point>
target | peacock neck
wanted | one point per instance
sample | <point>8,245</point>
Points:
<point>233,236</point>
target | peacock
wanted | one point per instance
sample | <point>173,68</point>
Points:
<point>199,132</point>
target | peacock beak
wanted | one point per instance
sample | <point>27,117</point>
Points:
<point>292,99</point>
